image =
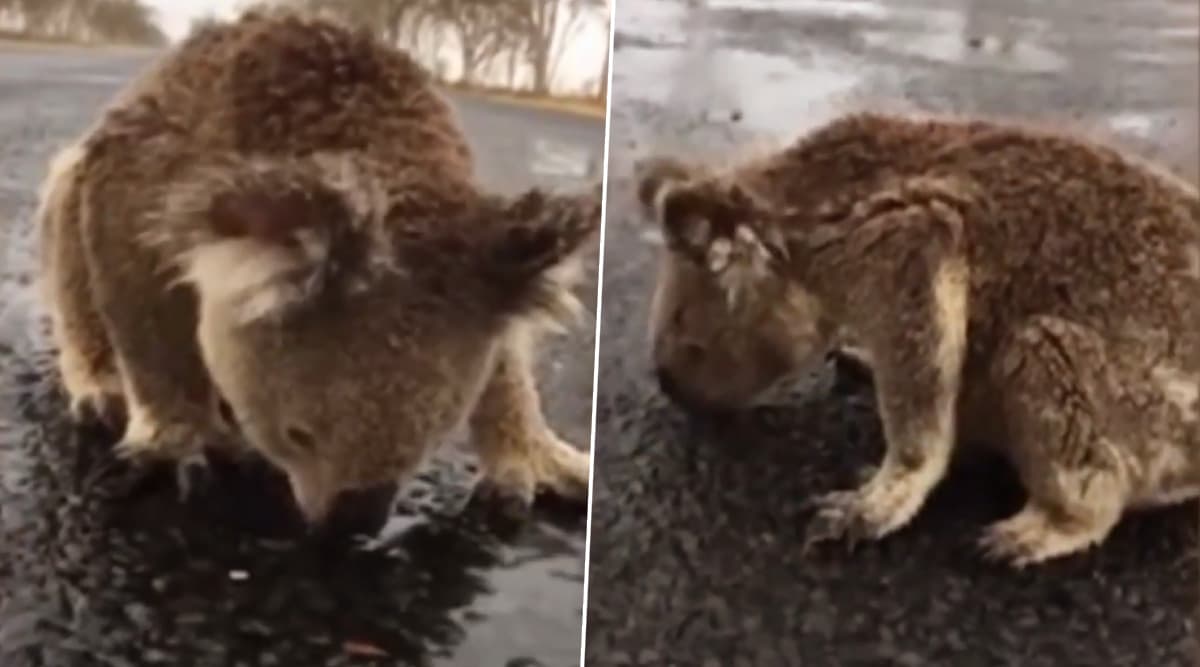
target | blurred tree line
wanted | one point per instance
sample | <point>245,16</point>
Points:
<point>127,21</point>
<point>514,44</point>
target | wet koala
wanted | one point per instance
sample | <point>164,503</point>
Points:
<point>1005,285</point>
<point>281,215</point>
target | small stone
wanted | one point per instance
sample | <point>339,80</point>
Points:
<point>156,657</point>
<point>648,656</point>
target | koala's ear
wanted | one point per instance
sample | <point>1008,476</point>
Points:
<point>727,230</point>
<point>536,259</point>
<point>655,176</point>
<point>269,216</point>
<point>255,239</point>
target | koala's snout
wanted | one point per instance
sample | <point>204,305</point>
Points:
<point>352,512</point>
<point>687,399</point>
<point>669,385</point>
<point>360,511</point>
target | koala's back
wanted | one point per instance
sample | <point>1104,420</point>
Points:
<point>280,83</point>
<point>269,86</point>
<point>1059,225</point>
<point>1074,229</point>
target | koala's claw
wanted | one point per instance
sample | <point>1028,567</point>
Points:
<point>839,516</point>
<point>178,444</point>
<point>550,465</point>
<point>1030,537</point>
<point>567,472</point>
<point>192,474</point>
<point>882,505</point>
<point>509,501</point>
<point>100,410</point>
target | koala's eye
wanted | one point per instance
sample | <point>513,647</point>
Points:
<point>300,438</point>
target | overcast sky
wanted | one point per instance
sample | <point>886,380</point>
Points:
<point>581,57</point>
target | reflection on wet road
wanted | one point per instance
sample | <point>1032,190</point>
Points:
<point>89,579</point>
<point>696,536</point>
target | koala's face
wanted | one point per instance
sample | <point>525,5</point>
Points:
<point>351,395</point>
<point>712,356</point>
<point>347,345</point>
<point>727,327</point>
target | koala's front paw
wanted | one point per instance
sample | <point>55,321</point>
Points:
<point>548,464</point>
<point>180,444</point>
<point>884,504</point>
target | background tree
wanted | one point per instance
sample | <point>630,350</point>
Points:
<point>126,21</point>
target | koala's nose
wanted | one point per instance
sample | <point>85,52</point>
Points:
<point>711,412</point>
<point>360,511</point>
<point>668,385</point>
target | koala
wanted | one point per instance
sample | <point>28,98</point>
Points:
<point>1004,284</point>
<point>280,217</point>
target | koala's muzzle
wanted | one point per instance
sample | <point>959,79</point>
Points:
<point>850,374</point>
<point>358,512</point>
<point>688,400</point>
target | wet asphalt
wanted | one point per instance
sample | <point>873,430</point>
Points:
<point>696,534</point>
<point>91,577</point>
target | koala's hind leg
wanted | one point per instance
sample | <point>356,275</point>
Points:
<point>86,360</point>
<point>1052,376</point>
<point>519,451</point>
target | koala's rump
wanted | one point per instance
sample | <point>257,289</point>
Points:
<point>1079,231</point>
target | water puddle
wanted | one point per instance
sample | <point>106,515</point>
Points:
<point>561,160</point>
<point>1154,57</point>
<point>763,93</point>
<point>847,9</point>
<point>966,39</point>
<point>59,76</point>
<point>657,22</point>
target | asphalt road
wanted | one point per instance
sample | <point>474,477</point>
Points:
<point>696,536</point>
<point>92,579</point>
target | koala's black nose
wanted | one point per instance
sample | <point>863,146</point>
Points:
<point>850,375</point>
<point>359,512</point>
<point>669,386</point>
<point>709,412</point>
<point>678,394</point>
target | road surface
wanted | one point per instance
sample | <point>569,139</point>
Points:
<point>91,580</point>
<point>696,536</point>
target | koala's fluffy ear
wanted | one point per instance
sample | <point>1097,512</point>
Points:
<point>655,177</point>
<point>724,228</point>
<point>536,259</point>
<point>256,239</point>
